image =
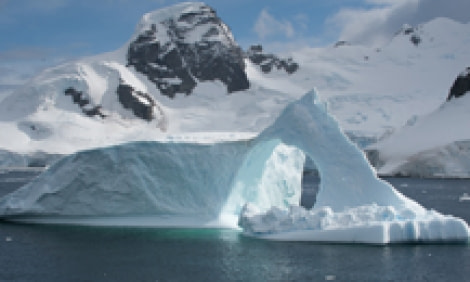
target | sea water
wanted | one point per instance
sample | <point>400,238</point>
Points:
<point>72,253</point>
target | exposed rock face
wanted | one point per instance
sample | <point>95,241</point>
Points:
<point>461,85</point>
<point>269,61</point>
<point>81,99</point>
<point>415,39</point>
<point>186,47</point>
<point>373,156</point>
<point>412,32</point>
<point>341,43</point>
<point>141,104</point>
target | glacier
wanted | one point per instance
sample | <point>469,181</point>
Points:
<point>255,183</point>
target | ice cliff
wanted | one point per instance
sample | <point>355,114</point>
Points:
<point>257,181</point>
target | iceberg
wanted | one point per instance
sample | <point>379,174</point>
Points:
<point>353,204</point>
<point>255,183</point>
<point>165,184</point>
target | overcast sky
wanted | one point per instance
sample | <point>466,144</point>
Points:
<point>38,33</point>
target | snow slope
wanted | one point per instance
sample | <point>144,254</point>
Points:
<point>435,145</point>
<point>192,184</point>
<point>375,90</point>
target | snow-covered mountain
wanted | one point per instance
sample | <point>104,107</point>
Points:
<point>373,91</point>
<point>436,145</point>
<point>181,72</point>
<point>182,76</point>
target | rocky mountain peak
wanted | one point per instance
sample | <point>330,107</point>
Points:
<point>178,46</point>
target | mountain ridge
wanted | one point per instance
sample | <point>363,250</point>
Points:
<point>141,90</point>
<point>371,92</point>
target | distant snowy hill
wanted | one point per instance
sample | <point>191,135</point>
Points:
<point>434,145</point>
<point>374,91</point>
<point>182,76</point>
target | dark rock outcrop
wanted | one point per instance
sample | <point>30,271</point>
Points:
<point>461,85</point>
<point>373,156</point>
<point>341,43</point>
<point>407,30</point>
<point>412,32</point>
<point>83,101</point>
<point>186,48</point>
<point>269,61</point>
<point>141,104</point>
<point>415,39</point>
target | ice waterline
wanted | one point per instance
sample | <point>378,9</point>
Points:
<point>255,183</point>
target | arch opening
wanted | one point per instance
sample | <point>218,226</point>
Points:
<point>310,184</point>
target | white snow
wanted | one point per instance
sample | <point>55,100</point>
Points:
<point>170,12</point>
<point>161,17</point>
<point>372,91</point>
<point>97,85</point>
<point>433,145</point>
<point>257,179</point>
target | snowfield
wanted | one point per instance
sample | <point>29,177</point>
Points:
<point>434,145</point>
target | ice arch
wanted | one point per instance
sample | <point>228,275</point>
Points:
<point>347,178</point>
<point>353,204</point>
<point>186,184</point>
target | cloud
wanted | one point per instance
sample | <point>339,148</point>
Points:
<point>268,26</point>
<point>378,20</point>
<point>10,76</point>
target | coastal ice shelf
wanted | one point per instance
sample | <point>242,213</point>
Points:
<point>254,182</point>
